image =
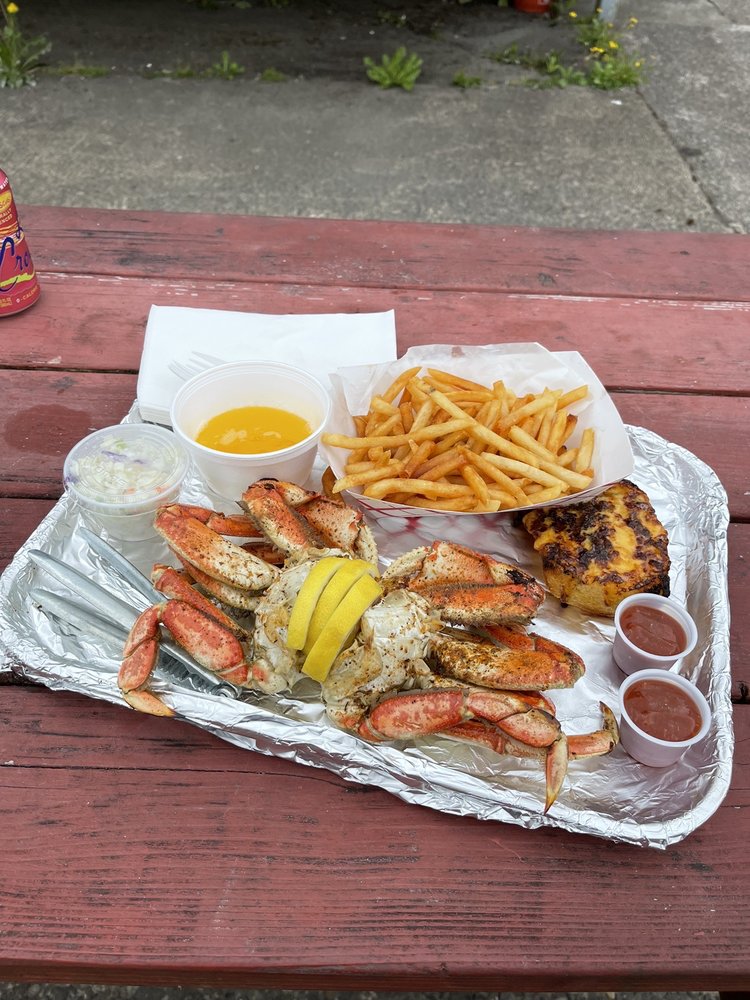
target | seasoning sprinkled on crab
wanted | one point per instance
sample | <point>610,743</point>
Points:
<point>390,664</point>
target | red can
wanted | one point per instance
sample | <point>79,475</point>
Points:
<point>19,287</point>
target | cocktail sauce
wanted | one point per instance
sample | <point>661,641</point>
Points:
<point>663,710</point>
<point>652,630</point>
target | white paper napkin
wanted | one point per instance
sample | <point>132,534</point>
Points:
<point>319,343</point>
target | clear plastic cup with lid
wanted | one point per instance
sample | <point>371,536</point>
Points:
<point>119,476</point>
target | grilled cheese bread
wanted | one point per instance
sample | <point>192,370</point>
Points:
<point>596,553</point>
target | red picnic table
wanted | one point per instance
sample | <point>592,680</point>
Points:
<point>140,850</point>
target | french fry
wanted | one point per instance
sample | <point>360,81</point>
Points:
<point>533,406</point>
<point>450,463</point>
<point>472,478</point>
<point>585,450</point>
<point>486,467</point>
<point>419,455</point>
<point>569,476</point>
<point>568,398</point>
<point>510,465</point>
<point>444,442</point>
<point>407,416</point>
<point>428,433</point>
<point>530,443</point>
<point>398,384</point>
<point>380,405</point>
<point>546,495</point>
<point>424,486</point>
<point>455,380</point>
<point>369,476</point>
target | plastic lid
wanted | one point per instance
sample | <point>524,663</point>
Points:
<point>125,469</point>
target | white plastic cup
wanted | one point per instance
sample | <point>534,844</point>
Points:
<point>650,750</point>
<point>250,383</point>
<point>630,657</point>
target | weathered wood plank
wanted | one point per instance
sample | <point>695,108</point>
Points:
<point>389,254</point>
<point>18,518</point>
<point>98,322</point>
<point>739,602</point>
<point>42,415</point>
<point>321,867</point>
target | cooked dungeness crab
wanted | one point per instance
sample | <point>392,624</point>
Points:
<point>390,661</point>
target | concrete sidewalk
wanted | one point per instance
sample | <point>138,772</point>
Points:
<point>327,142</point>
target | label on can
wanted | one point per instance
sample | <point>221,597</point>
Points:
<point>19,286</point>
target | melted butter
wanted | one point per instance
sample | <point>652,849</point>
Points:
<point>253,430</point>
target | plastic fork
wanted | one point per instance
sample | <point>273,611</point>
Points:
<point>195,363</point>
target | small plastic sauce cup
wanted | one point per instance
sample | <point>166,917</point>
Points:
<point>651,750</point>
<point>630,657</point>
<point>250,383</point>
<point>119,476</point>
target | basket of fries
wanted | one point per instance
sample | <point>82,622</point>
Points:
<point>473,431</point>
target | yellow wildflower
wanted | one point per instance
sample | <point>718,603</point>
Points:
<point>572,13</point>
<point>638,64</point>
<point>633,20</point>
<point>12,8</point>
<point>597,49</point>
<point>613,45</point>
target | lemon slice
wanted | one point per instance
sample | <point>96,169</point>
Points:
<point>307,599</point>
<point>337,588</point>
<point>341,627</point>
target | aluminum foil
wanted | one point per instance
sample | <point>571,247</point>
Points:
<point>612,797</point>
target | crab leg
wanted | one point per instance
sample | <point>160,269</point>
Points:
<point>467,587</point>
<point>523,662</point>
<point>235,597</point>
<point>205,638</point>
<point>277,520</point>
<point>565,749</point>
<point>298,520</point>
<point>419,713</point>
<point>448,711</point>
<point>209,552</point>
<point>598,743</point>
<point>176,585</point>
<point>238,525</point>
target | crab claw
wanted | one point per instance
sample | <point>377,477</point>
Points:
<point>522,663</point>
<point>139,659</point>
<point>419,713</point>
<point>297,520</point>
<point>200,546</point>
<point>202,635</point>
<point>467,587</point>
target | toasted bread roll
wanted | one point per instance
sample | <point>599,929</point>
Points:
<point>596,553</point>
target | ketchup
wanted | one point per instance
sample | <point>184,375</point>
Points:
<point>663,710</point>
<point>652,630</point>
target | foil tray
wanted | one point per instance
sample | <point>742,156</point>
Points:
<point>613,797</point>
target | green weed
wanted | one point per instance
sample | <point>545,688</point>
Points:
<point>225,68</point>
<point>399,70</point>
<point>460,79</point>
<point>20,57</point>
<point>271,75</point>
<point>77,69</point>
<point>601,61</point>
